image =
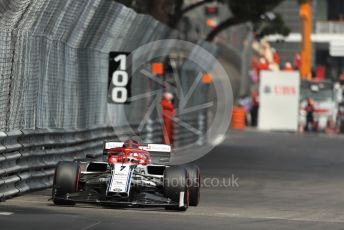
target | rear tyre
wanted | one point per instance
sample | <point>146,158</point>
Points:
<point>66,180</point>
<point>175,182</point>
<point>194,184</point>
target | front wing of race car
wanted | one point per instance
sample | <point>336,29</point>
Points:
<point>142,200</point>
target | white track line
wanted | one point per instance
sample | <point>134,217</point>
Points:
<point>6,213</point>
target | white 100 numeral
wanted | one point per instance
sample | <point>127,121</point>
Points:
<point>120,80</point>
<point>119,94</point>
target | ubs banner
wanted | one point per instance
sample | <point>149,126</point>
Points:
<point>279,94</point>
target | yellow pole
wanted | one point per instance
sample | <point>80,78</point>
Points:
<point>306,49</point>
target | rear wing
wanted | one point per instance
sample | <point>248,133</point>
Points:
<point>160,153</point>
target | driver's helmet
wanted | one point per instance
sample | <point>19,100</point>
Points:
<point>130,144</point>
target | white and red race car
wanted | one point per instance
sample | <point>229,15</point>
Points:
<point>127,178</point>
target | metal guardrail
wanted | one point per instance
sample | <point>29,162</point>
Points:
<point>191,133</point>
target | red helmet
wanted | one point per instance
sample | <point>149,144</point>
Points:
<point>130,144</point>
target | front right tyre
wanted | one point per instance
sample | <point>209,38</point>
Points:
<point>176,182</point>
<point>194,180</point>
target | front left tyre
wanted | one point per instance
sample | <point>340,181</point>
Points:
<point>66,180</point>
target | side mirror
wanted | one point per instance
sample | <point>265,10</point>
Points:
<point>105,153</point>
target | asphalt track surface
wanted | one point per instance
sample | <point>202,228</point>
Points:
<point>286,181</point>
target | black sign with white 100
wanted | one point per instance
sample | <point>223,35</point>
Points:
<point>119,82</point>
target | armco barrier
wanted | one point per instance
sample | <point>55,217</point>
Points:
<point>192,132</point>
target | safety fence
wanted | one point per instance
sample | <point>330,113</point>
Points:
<point>54,60</point>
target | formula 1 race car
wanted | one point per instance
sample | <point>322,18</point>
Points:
<point>127,178</point>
